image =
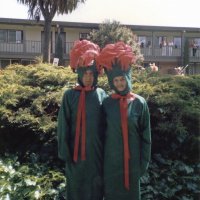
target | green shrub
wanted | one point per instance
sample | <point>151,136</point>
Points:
<point>30,180</point>
<point>175,112</point>
<point>29,102</point>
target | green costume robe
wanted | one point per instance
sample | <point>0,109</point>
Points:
<point>84,178</point>
<point>139,146</point>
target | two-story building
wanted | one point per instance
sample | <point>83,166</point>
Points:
<point>170,47</point>
<point>21,41</point>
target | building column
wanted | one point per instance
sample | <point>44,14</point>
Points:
<point>24,39</point>
<point>182,47</point>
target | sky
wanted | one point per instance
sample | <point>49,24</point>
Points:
<point>177,13</point>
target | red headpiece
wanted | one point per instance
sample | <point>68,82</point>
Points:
<point>120,52</point>
<point>83,54</point>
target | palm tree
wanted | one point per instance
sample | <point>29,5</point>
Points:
<point>48,8</point>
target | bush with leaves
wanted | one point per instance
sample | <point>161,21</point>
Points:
<point>171,179</point>
<point>28,181</point>
<point>29,101</point>
<point>174,103</point>
<point>112,32</point>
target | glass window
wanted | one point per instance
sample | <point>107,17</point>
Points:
<point>3,35</point>
<point>149,42</point>
<point>144,41</point>
<point>83,36</point>
<point>177,42</point>
<point>11,36</point>
<point>161,41</point>
<point>19,36</point>
<point>14,36</point>
<point>197,41</point>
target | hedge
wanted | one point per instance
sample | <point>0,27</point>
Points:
<point>30,98</point>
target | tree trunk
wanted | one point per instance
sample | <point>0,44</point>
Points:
<point>47,41</point>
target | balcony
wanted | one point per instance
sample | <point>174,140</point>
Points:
<point>168,54</point>
<point>30,49</point>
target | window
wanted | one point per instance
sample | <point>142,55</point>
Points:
<point>177,42</point>
<point>160,41</point>
<point>83,36</point>
<point>11,36</point>
<point>144,41</point>
<point>196,41</point>
<point>63,37</point>
<point>3,35</point>
<point>19,36</point>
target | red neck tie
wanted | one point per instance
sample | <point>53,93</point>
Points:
<point>124,125</point>
<point>80,124</point>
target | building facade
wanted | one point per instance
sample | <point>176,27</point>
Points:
<point>170,47</point>
<point>21,41</point>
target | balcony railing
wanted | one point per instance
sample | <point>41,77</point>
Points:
<point>29,47</point>
<point>11,47</point>
<point>34,48</point>
<point>158,52</point>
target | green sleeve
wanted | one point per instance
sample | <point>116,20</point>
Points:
<point>145,139</point>
<point>63,130</point>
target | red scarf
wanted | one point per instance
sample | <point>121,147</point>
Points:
<point>124,125</point>
<point>80,124</point>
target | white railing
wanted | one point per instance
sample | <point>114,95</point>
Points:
<point>11,47</point>
<point>164,51</point>
<point>30,47</point>
<point>35,47</point>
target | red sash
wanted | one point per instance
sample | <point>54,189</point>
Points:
<point>124,125</point>
<point>80,124</point>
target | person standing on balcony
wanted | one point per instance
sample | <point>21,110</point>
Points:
<point>194,48</point>
<point>80,134</point>
<point>127,137</point>
<point>164,48</point>
<point>142,45</point>
<point>170,47</point>
<point>149,48</point>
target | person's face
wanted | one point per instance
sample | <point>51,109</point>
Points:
<point>120,83</point>
<point>88,78</point>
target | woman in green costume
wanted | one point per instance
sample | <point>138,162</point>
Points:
<point>127,137</point>
<point>79,127</point>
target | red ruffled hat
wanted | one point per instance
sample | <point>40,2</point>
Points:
<point>83,54</point>
<point>112,54</point>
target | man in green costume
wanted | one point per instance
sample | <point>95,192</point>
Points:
<point>127,137</point>
<point>79,130</point>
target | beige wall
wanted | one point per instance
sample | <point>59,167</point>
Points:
<point>73,34</point>
<point>11,27</point>
<point>143,33</point>
<point>33,33</point>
